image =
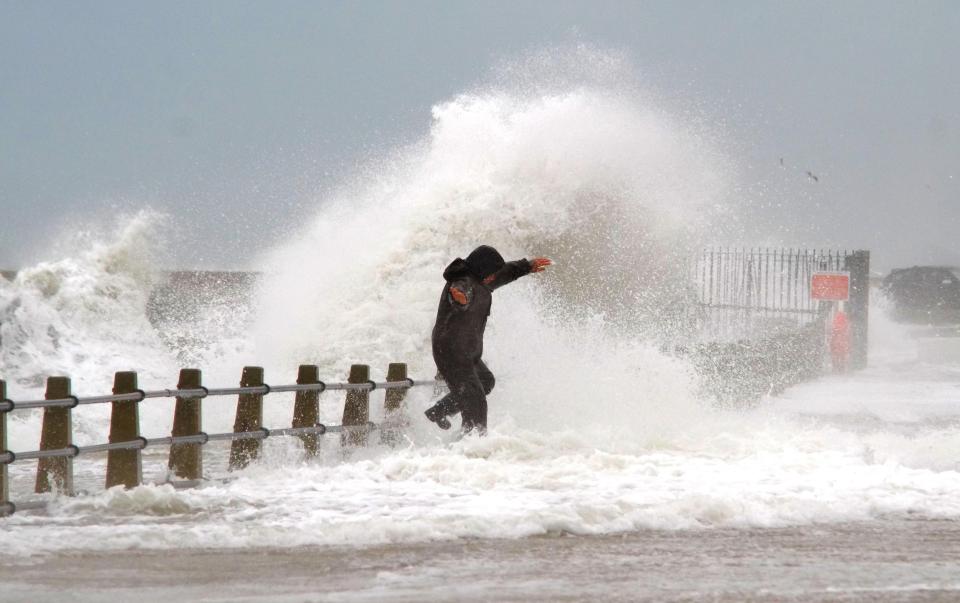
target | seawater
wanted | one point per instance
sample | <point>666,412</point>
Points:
<point>594,431</point>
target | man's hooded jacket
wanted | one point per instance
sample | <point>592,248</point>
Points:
<point>458,332</point>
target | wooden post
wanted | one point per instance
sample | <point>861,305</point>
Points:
<point>394,410</point>
<point>356,410</point>
<point>4,474</point>
<point>124,467</point>
<point>306,408</point>
<point>249,418</point>
<point>186,460</point>
<point>858,263</point>
<point>57,431</point>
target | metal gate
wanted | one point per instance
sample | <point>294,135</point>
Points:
<point>746,293</point>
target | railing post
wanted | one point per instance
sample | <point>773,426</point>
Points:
<point>186,460</point>
<point>5,508</point>
<point>124,467</point>
<point>57,431</point>
<point>858,264</point>
<point>356,410</point>
<point>306,408</point>
<point>249,418</point>
<point>394,411</point>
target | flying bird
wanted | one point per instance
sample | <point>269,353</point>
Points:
<point>812,176</point>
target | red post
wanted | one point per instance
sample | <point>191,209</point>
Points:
<point>840,340</point>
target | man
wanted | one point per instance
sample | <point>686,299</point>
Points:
<point>458,333</point>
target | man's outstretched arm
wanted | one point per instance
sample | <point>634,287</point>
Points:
<point>511,271</point>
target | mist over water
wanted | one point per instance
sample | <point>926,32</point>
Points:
<point>593,430</point>
<point>590,174</point>
<point>83,313</point>
<point>615,190</point>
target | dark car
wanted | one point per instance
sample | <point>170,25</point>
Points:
<point>925,294</point>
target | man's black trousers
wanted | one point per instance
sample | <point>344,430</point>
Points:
<point>469,383</point>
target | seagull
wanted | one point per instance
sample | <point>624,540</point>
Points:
<point>813,176</point>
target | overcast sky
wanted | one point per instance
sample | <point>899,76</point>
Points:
<point>231,115</point>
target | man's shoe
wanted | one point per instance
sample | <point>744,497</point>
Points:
<point>434,414</point>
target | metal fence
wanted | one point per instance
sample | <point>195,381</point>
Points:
<point>758,327</point>
<point>124,463</point>
<point>763,279</point>
<point>745,294</point>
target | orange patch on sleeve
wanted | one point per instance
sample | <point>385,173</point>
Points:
<point>458,296</point>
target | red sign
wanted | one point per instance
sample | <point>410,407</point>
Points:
<point>830,286</point>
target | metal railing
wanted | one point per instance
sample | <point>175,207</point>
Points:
<point>7,405</point>
<point>775,280</point>
<point>755,327</point>
<point>124,464</point>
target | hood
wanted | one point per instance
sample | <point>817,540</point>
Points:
<point>458,268</point>
<point>484,261</point>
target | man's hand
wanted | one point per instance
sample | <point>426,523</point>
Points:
<point>458,296</point>
<point>539,264</point>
